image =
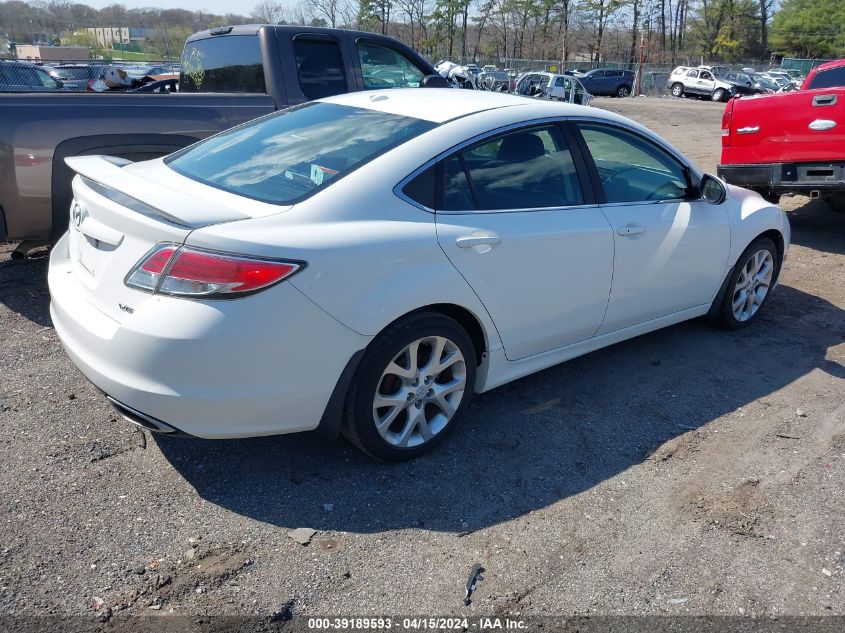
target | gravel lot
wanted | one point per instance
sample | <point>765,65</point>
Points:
<point>690,471</point>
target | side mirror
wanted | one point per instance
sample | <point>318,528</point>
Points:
<point>434,81</point>
<point>712,190</point>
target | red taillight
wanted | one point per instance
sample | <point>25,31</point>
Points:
<point>726,123</point>
<point>189,272</point>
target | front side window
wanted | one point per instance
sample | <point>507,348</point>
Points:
<point>632,169</point>
<point>706,75</point>
<point>230,63</point>
<point>525,169</point>
<point>284,158</point>
<point>319,66</point>
<point>829,78</point>
<point>383,67</point>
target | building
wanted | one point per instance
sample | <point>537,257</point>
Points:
<point>32,53</point>
<point>108,36</point>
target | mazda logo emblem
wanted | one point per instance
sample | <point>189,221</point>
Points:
<point>76,214</point>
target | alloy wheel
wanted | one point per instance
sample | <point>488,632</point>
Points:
<point>419,391</point>
<point>752,285</point>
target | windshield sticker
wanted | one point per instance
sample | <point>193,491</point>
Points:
<point>319,174</point>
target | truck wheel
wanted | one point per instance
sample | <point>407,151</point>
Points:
<point>837,202</point>
<point>719,94</point>
<point>678,90</point>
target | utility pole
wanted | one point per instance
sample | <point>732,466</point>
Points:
<point>639,90</point>
<point>120,35</point>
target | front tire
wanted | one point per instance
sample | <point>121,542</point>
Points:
<point>719,94</point>
<point>750,284</point>
<point>413,384</point>
<point>678,90</point>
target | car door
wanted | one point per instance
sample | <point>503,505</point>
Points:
<point>593,82</point>
<point>691,81</point>
<point>671,248</point>
<point>706,82</point>
<point>518,219</point>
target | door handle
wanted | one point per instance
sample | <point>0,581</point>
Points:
<point>824,100</point>
<point>468,241</point>
<point>820,125</point>
<point>631,229</point>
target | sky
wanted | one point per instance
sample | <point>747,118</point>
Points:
<point>220,7</point>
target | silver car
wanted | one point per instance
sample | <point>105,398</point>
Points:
<point>545,85</point>
<point>700,82</point>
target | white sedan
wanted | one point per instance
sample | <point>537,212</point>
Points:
<point>365,263</point>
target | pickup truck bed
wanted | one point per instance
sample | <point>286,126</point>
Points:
<point>229,76</point>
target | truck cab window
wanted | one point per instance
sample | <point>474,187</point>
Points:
<point>319,67</point>
<point>384,67</point>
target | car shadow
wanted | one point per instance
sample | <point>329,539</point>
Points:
<point>528,444</point>
<point>815,225</point>
<point>23,286</point>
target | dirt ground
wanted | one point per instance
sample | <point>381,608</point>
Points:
<point>689,471</point>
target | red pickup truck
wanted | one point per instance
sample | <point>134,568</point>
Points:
<point>792,142</point>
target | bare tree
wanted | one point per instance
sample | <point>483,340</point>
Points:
<point>269,12</point>
<point>329,9</point>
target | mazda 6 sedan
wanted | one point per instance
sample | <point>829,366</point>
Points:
<point>365,263</point>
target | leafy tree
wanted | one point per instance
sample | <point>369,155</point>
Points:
<point>809,28</point>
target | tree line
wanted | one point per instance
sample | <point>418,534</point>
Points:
<point>663,32</point>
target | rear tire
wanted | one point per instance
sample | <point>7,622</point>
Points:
<point>750,285</point>
<point>413,385</point>
<point>677,90</point>
<point>623,92</point>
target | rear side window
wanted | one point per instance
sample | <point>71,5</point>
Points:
<point>832,78</point>
<point>692,73</point>
<point>287,156</point>
<point>319,66</point>
<point>525,169</point>
<point>422,188</point>
<point>231,63</point>
<point>383,67</point>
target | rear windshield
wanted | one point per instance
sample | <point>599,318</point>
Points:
<point>286,157</point>
<point>229,63</point>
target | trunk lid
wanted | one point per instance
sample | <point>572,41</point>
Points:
<point>120,211</point>
<point>803,126</point>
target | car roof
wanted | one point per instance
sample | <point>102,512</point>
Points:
<point>440,105</point>
<point>437,105</point>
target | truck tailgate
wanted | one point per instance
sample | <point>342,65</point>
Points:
<point>803,126</point>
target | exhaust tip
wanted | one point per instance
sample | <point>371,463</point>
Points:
<point>815,194</point>
<point>18,255</point>
<point>142,419</point>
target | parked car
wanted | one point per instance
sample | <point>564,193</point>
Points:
<point>699,82</point>
<point>829,75</point>
<point>473,68</point>
<point>85,77</point>
<point>250,284</point>
<point>26,77</point>
<point>792,142</point>
<point>765,84</point>
<point>608,82</point>
<point>742,84</point>
<point>254,70</point>
<point>553,86</point>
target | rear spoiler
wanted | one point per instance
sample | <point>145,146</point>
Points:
<point>107,177</point>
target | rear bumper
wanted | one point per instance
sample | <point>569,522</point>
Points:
<point>261,365</point>
<point>787,177</point>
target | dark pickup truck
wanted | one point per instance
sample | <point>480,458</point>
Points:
<point>229,75</point>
